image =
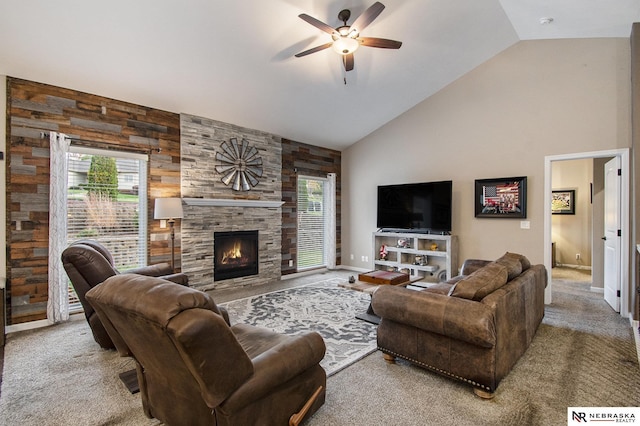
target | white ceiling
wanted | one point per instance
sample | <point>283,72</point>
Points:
<point>233,60</point>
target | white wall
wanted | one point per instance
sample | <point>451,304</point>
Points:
<point>534,99</point>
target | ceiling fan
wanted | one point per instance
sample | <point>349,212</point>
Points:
<point>346,38</point>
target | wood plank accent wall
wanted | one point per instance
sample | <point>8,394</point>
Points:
<point>33,108</point>
<point>635,149</point>
<point>313,161</point>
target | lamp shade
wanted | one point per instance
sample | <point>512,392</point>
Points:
<point>168,208</point>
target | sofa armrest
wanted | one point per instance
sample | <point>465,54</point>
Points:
<point>225,314</point>
<point>471,265</point>
<point>156,270</point>
<point>161,270</point>
<point>178,278</point>
<point>276,366</point>
<point>461,319</point>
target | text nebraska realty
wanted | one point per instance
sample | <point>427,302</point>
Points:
<point>604,417</point>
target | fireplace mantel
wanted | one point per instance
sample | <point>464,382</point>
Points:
<point>226,202</point>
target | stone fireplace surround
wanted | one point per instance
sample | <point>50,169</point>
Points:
<point>210,206</point>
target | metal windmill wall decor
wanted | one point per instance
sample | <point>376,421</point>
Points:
<point>240,165</point>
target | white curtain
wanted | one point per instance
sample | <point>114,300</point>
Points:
<point>330,221</point>
<point>58,303</point>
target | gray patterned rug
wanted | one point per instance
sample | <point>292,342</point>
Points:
<point>323,307</point>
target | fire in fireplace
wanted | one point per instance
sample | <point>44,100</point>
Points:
<point>235,254</point>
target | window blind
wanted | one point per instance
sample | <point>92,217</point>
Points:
<point>106,202</point>
<point>311,223</point>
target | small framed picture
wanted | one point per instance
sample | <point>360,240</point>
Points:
<point>563,201</point>
<point>501,197</point>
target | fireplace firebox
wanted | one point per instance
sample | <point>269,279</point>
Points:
<point>235,254</point>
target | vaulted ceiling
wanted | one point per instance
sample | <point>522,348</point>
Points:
<point>234,61</point>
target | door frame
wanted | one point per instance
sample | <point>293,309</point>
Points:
<point>625,251</point>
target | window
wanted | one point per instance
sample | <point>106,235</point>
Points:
<point>311,222</point>
<point>106,202</point>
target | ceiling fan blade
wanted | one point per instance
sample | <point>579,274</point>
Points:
<point>379,42</point>
<point>318,24</point>
<point>347,60</point>
<point>314,50</point>
<point>367,17</point>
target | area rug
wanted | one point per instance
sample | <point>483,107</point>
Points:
<point>323,307</point>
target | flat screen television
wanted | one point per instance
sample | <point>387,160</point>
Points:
<point>419,207</point>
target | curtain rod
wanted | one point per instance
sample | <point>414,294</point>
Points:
<point>91,144</point>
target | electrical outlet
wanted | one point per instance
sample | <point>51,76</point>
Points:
<point>362,258</point>
<point>291,262</point>
<point>366,258</point>
<point>352,257</point>
<point>577,256</point>
<point>525,224</point>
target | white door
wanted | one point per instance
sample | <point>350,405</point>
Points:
<point>611,237</point>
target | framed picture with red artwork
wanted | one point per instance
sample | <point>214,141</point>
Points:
<point>501,197</point>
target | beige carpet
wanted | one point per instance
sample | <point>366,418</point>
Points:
<point>58,376</point>
<point>583,355</point>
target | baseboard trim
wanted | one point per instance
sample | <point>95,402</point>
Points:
<point>636,334</point>
<point>32,325</point>
<point>303,273</point>
<point>320,270</point>
<point>353,268</point>
<point>568,265</point>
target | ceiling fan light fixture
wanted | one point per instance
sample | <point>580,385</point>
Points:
<point>345,45</point>
<point>346,38</point>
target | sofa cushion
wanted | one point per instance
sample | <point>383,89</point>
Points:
<point>523,260</point>
<point>482,282</point>
<point>512,263</point>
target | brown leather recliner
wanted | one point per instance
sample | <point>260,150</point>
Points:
<point>194,368</point>
<point>88,263</point>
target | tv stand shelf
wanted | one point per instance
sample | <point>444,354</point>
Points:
<point>435,265</point>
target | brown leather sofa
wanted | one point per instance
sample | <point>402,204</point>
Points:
<point>194,368</point>
<point>88,263</point>
<point>473,328</point>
